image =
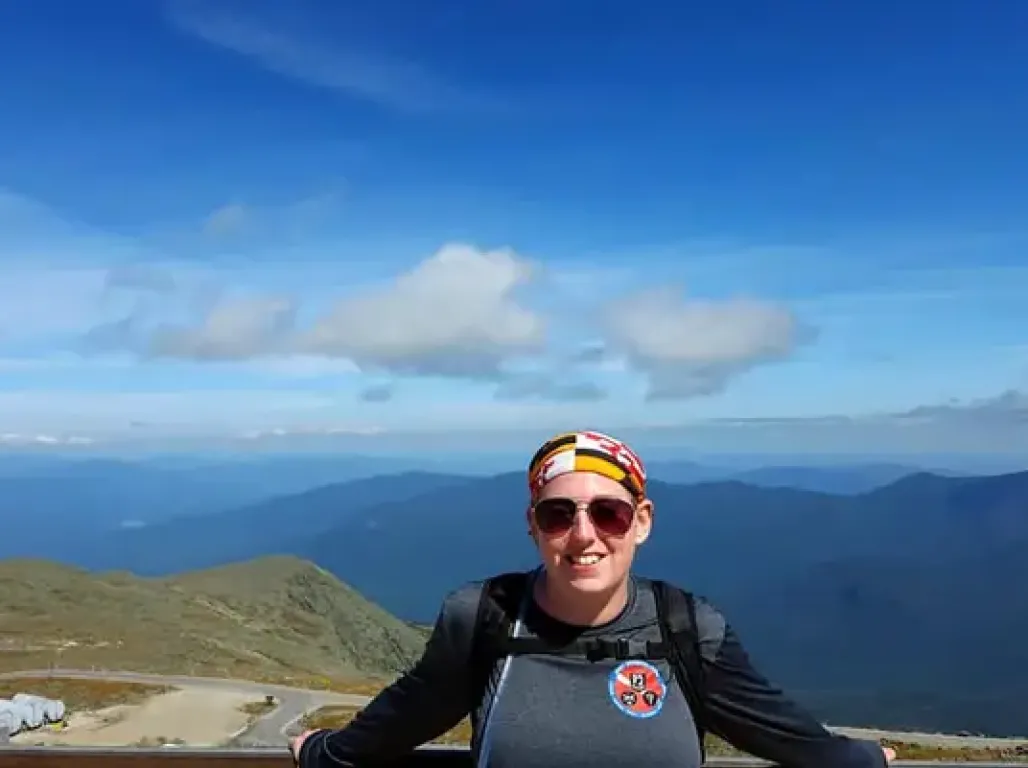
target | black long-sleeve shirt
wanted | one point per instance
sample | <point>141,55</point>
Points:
<point>569,712</point>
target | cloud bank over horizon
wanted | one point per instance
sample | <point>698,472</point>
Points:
<point>465,340</point>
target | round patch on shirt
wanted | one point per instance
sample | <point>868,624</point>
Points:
<point>637,689</point>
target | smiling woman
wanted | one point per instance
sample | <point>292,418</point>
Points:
<point>580,661</point>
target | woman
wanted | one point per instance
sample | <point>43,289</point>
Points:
<point>588,513</point>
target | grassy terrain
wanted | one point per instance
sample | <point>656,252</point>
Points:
<point>258,708</point>
<point>337,717</point>
<point>266,619</point>
<point>81,694</point>
<point>905,751</point>
<point>361,686</point>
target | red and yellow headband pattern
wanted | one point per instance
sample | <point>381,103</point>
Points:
<point>587,452</point>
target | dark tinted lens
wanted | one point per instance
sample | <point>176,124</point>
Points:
<point>611,516</point>
<point>555,515</point>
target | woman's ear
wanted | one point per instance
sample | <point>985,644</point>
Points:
<point>643,521</point>
<point>531,523</point>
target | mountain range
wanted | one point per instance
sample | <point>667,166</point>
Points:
<point>50,504</point>
<point>901,607</point>
<point>898,606</point>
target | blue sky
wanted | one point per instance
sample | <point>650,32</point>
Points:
<point>801,228</point>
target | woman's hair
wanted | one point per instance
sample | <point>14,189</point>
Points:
<point>587,452</point>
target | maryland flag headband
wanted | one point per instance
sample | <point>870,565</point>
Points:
<point>587,452</point>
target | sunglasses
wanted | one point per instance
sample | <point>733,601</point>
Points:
<point>609,516</point>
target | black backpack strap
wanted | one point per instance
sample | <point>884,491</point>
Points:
<point>498,607</point>
<point>592,649</point>
<point>676,613</point>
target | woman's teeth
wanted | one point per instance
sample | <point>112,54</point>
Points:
<point>585,559</point>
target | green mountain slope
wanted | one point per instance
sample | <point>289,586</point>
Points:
<point>266,618</point>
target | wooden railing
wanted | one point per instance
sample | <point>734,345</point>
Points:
<point>426,757</point>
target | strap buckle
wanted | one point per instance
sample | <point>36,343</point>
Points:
<point>622,649</point>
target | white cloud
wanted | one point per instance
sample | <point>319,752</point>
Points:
<point>186,411</point>
<point>690,348</point>
<point>312,431</point>
<point>62,277</point>
<point>333,58</point>
<point>148,278</point>
<point>455,314</point>
<point>1008,408</point>
<point>26,224</point>
<point>548,387</point>
<point>233,330</point>
<point>40,301</point>
<point>271,417</point>
<point>380,393</point>
<point>226,220</point>
<point>23,364</point>
<point>34,236</point>
<point>301,366</point>
<point>16,439</point>
<point>255,414</point>
<point>257,227</point>
<point>67,364</point>
<point>583,283</point>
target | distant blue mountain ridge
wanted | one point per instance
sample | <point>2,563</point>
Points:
<point>901,605</point>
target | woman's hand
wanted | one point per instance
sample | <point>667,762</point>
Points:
<point>890,754</point>
<point>296,743</point>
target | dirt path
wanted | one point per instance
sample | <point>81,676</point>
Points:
<point>193,716</point>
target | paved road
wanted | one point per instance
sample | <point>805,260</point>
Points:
<point>270,729</point>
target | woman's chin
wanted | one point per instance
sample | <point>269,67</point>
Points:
<point>586,579</point>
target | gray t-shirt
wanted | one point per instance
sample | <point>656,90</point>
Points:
<point>569,711</point>
<point>546,710</point>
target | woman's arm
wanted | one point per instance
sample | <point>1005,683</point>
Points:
<point>756,717</point>
<point>422,704</point>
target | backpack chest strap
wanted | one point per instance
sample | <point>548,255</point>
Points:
<point>593,649</point>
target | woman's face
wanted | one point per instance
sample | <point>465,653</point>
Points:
<point>589,554</point>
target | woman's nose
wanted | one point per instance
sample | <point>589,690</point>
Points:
<point>582,528</point>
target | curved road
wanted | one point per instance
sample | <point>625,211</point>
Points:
<point>268,730</point>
